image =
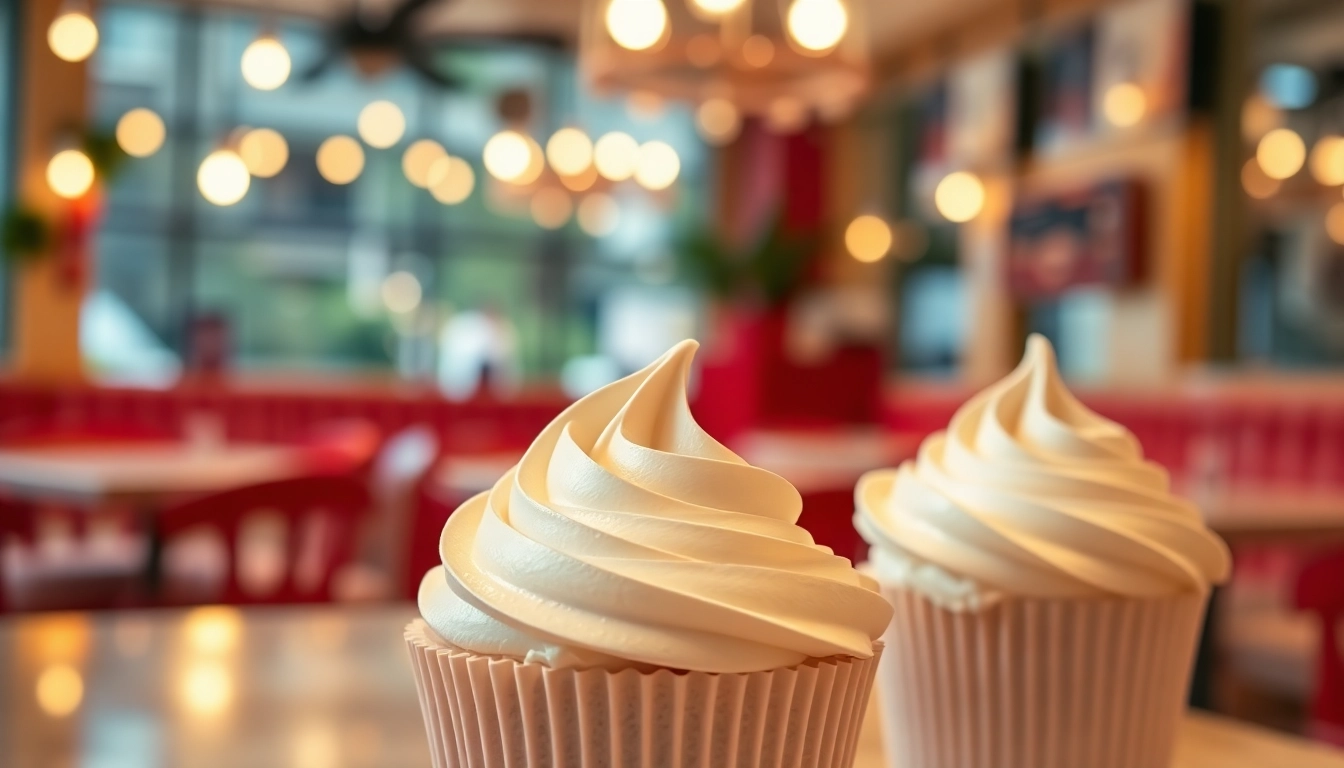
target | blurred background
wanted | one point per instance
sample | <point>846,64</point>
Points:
<point>284,282</point>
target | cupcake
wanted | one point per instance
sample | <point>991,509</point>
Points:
<point>632,593</point>
<point>1048,587</point>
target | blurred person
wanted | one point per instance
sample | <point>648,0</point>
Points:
<point>478,350</point>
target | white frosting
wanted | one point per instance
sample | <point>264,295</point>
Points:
<point>1030,494</point>
<point>627,536</point>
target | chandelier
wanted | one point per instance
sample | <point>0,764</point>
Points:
<point>780,59</point>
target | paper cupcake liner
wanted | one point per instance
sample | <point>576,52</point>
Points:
<point>499,713</point>
<point>1036,683</point>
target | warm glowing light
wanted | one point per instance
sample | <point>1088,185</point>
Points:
<point>451,180</point>
<point>581,182</point>
<point>868,238</point>
<point>758,51</point>
<point>206,689</point>
<point>1281,153</point>
<point>1256,183</point>
<point>264,151</point>
<point>316,745</point>
<point>140,132</point>
<point>636,24</point>
<point>340,159</point>
<point>1327,161</point>
<point>599,215</point>
<point>658,165</point>
<point>716,7</point>
<point>786,115</point>
<point>1124,104</point>
<point>401,292</point>
<point>959,196</point>
<point>552,207</point>
<point>419,158</point>
<point>616,155</point>
<point>223,178</point>
<point>718,121</point>
<point>60,689</point>
<point>703,50</point>
<point>513,157</point>
<point>213,629</point>
<point>70,173</point>
<point>73,36</point>
<point>266,64</point>
<point>570,151</point>
<point>1259,117</point>
<point>1334,223</point>
<point>381,124</point>
<point>817,25</point>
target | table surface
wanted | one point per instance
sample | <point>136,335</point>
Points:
<point>141,469</point>
<point>307,687</point>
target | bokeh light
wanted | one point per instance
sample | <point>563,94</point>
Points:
<point>213,629</point>
<point>959,197</point>
<point>60,689</point>
<point>451,180</point>
<point>513,157</point>
<point>205,689</point>
<point>636,24</point>
<point>658,165</point>
<point>551,207</point>
<point>340,159</point>
<point>419,158</point>
<point>1259,117</point>
<point>1256,183</point>
<point>868,238</point>
<point>1281,153</point>
<point>1124,105</point>
<point>786,115</point>
<point>401,292</point>
<point>758,51</point>
<point>718,121</point>
<point>381,124</point>
<point>264,151</point>
<point>140,132</point>
<point>70,173</point>
<point>1288,86</point>
<point>73,36</point>
<point>703,50</point>
<point>569,151</point>
<point>817,25</point>
<point>223,177</point>
<point>1327,160</point>
<point>716,7</point>
<point>581,182</point>
<point>599,215</point>
<point>616,155</point>
<point>266,64</point>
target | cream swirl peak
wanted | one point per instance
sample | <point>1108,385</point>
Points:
<point>1028,493</point>
<point>627,536</point>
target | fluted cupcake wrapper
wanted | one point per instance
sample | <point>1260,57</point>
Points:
<point>499,713</point>
<point>1036,683</point>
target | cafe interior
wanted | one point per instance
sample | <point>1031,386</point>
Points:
<point>286,282</point>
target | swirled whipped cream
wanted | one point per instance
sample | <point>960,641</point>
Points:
<point>627,536</point>
<point>1030,494</point>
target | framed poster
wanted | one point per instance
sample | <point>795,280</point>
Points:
<point>1065,113</point>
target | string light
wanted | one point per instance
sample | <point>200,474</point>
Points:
<point>340,159</point>
<point>266,64</point>
<point>758,51</point>
<point>1281,153</point>
<point>868,238</point>
<point>616,155</point>
<point>599,215</point>
<point>73,36</point>
<point>959,197</point>
<point>1124,104</point>
<point>658,165</point>
<point>551,207</point>
<point>381,124</point>
<point>419,158</point>
<point>569,151</point>
<point>60,689</point>
<point>264,151</point>
<point>451,180</point>
<point>1327,161</point>
<point>1256,183</point>
<point>786,115</point>
<point>718,121</point>
<point>581,182</point>
<point>401,292</point>
<point>140,132</point>
<point>817,25</point>
<point>1334,223</point>
<point>636,25</point>
<point>717,7</point>
<point>70,173</point>
<point>513,157</point>
<point>223,178</point>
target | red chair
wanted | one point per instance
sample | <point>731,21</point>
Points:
<point>1320,589</point>
<point>16,523</point>
<point>311,555</point>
